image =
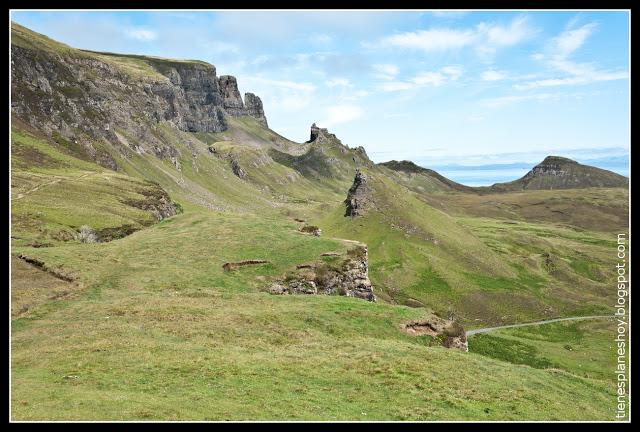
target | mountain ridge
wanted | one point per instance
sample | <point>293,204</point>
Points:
<point>553,168</point>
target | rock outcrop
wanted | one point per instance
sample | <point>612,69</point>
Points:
<point>253,107</point>
<point>156,201</point>
<point>320,134</point>
<point>450,333</point>
<point>359,196</point>
<point>311,229</point>
<point>237,169</point>
<point>350,278</point>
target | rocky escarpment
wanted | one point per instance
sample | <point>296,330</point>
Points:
<point>359,197</point>
<point>91,98</point>
<point>556,172</point>
<point>347,277</point>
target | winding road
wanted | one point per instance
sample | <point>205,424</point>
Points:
<point>490,329</point>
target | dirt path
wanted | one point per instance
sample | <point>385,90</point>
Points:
<point>490,329</point>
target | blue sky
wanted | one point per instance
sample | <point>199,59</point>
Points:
<point>444,89</point>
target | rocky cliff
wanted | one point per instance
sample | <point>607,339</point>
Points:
<point>87,96</point>
<point>231,99</point>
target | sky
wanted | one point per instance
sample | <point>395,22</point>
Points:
<point>479,95</point>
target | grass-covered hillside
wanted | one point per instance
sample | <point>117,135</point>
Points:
<point>556,172</point>
<point>156,322</point>
<point>483,269</point>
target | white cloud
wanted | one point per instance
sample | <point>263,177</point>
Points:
<point>485,37</point>
<point>291,85</point>
<point>583,78</point>
<point>453,14</point>
<point>341,114</point>
<point>354,95</point>
<point>141,34</point>
<point>429,78</point>
<point>508,100</point>
<point>517,31</point>
<point>422,79</point>
<point>454,72</point>
<point>338,82</point>
<point>492,75</point>
<point>570,40</point>
<point>560,49</point>
<point>396,86</point>
<point>320,39</point>
<point>432,40</point>
<point>285,95</point>
<point>386,71</point>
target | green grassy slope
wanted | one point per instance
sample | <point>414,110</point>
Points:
<point>604,210</point>
<point>159,331</point>
<point>584,348</point>
<point>169,325</point>
<point>53,194</point>
<point>481,270</point>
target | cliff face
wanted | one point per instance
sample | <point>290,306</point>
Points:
<point>88,96</point>
<point>231,99</point>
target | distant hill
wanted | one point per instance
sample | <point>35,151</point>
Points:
<point>423,179</point>
<point>556,172</point>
